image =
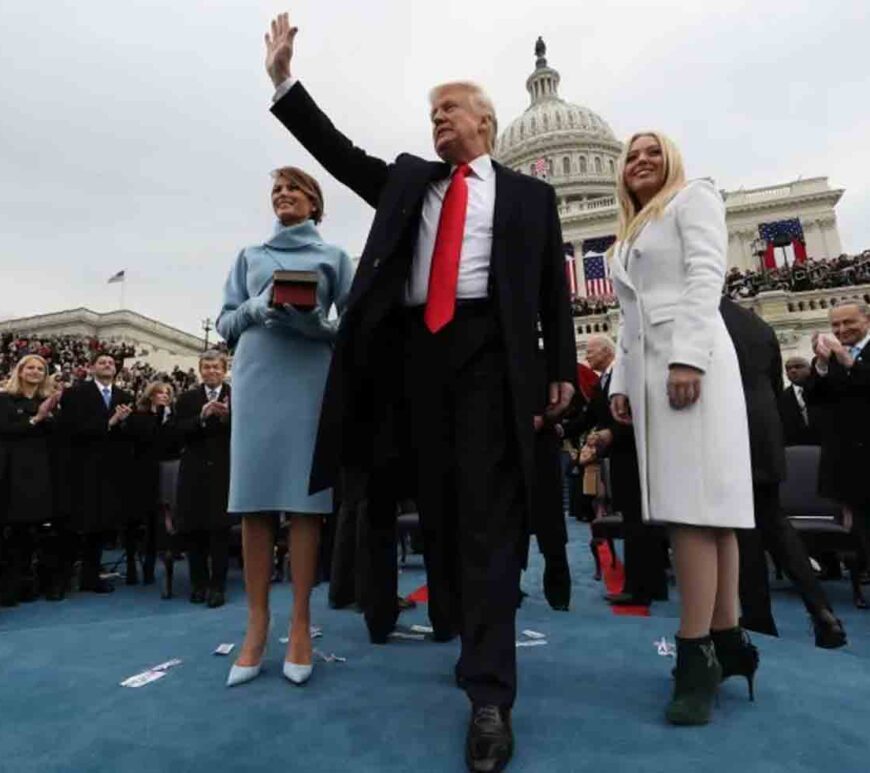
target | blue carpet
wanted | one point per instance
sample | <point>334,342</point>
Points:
<point>590,700</point>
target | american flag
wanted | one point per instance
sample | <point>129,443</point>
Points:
<point>597,280</point>
<point>540,167</point>
<point>785,243</point>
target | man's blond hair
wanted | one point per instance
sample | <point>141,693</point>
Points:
<point>480,102</point>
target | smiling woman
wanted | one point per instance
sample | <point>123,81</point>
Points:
<point>279,371</point>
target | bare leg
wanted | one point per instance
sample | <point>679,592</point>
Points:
<point>304,552</point>
<point>726,612</point>
<point>257,540</point>
<point>695,562</point>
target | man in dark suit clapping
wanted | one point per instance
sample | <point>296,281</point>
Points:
<point>93,416</point>
<point>463,263</point>
<point>840,384</point>
<point>202,417</point>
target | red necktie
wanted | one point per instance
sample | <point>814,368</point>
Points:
<point>444,273</point>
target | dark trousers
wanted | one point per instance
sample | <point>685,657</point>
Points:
<point>773,533</point>
<point>16,562</point>
<point>469,492</point>
<point>140,537</point>
<point>345,577</point>
<point>92,556</point>
<point>206,547</point>
<point>377,565</point>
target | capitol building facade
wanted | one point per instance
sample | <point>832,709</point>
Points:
<point>576,151</point>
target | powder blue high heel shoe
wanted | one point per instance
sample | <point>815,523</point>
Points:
<point>296,673</point>
<point>241,674</point>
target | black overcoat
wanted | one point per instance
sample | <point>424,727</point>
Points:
<point>27,463</point>
<point>100,460</point>
<point>844,396</point>
<point>527,283</point>
<point>204,476</point>
<point>760,361</point>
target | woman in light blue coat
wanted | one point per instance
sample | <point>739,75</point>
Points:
<point>279,370</point>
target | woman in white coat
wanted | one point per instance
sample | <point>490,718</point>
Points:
<point>677,381</point>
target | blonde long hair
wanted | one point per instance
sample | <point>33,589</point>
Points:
<point>14,386</point>
<point>144,403</point>
<point>633,217</point>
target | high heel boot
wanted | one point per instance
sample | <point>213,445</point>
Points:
<point>737,655</point>
<point>696,679</point>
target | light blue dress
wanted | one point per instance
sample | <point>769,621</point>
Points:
<point>279,370</point>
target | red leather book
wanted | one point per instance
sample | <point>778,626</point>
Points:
<point>298,288</point>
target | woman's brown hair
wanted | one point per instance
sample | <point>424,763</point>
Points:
<point>305,183</point>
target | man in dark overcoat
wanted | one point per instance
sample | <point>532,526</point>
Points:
<point>92,419</point>
<point>202,418</point>
<point>462,264</point>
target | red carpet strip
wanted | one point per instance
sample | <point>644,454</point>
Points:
<point>614,579</point>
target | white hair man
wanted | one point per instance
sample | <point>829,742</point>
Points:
<point>463,261</point>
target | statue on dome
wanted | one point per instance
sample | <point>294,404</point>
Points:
<point>541,52</point>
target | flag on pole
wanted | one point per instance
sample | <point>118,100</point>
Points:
<point>570,269</point>
<point>119,277</point>
<point>785,243</point>
<point>540,168</point>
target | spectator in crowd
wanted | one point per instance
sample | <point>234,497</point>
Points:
<point>27,481</point>
<point>151,430</point>
<point>840,383</point>
<point>761,371</point>
<point>585,307</point>
<point>282,356</point>
<point>203,424</point>
<point>800,421</point>
<point>93,417</point>
<point>644,551</point>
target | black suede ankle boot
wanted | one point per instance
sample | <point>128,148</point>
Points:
<point>737,655</point>
<point>696,679</point>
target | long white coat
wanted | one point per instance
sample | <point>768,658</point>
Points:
<point>694,463</point>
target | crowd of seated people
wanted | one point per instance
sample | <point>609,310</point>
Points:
<point>585,307</point>
<point>814,274</point>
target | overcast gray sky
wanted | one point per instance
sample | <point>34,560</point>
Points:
<point>136,135</point>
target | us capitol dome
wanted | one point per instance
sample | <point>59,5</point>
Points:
<point>573,147</point>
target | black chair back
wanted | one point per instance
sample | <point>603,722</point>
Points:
<point>799,495</point>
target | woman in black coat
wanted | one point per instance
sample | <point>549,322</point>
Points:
<point>152,430</point>
<point>27,479</point>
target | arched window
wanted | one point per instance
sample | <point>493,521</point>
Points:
<point>583,165</point>
<point>546,122</point>
<point>550,167</point>
<point>532,170</point>
<point>611,167</point>
<point>522,131</point>
<point>558,120</point>
<point>533,125</point>
<point>570,118</point>
<point>566,166</point>
<point>597,165</point>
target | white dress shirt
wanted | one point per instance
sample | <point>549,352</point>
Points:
<point>476,242</point>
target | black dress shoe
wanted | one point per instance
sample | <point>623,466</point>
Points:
<point>829,635</point>
<point>626,600</point>
<point>197,597</point>
<point>490,742</point>
<point>215,599</point>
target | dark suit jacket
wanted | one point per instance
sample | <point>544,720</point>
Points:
<point>527,284</point>
<point>760,362</point>
<point>797,432</point>
<point>844,396</point>
<point>204,475</point>
<point>100,459</point>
